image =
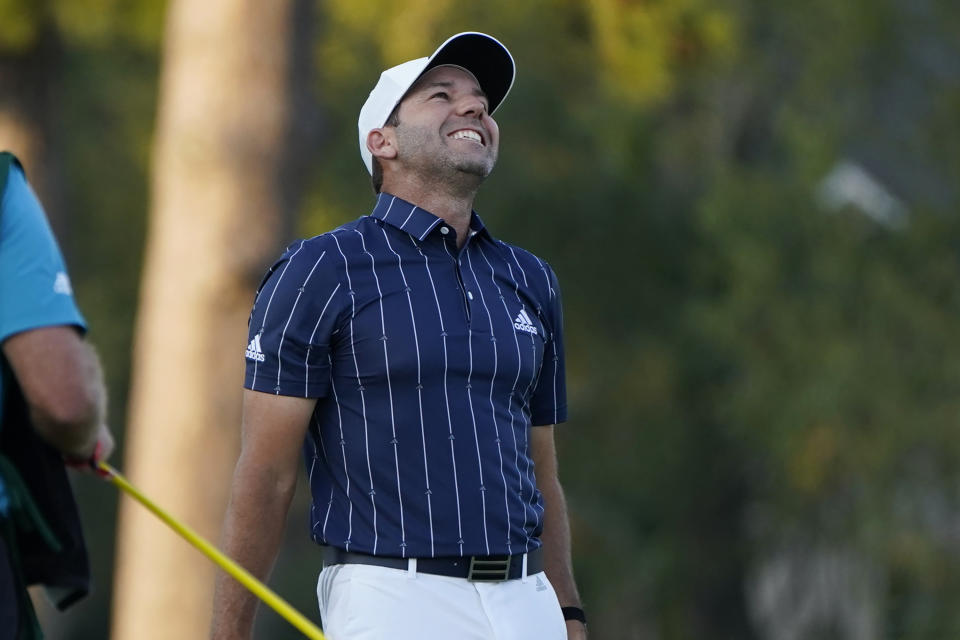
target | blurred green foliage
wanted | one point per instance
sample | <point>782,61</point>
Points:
<point>20,25</point>
<point>747,365</point>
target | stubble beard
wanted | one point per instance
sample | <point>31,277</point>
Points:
<point>442,164</point>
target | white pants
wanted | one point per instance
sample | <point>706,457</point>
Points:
<point>363,602</point>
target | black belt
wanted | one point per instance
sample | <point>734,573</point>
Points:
<point>476,568</point>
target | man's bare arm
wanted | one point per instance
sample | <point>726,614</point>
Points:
<point>61,379</point>
<point>264,482</point>
<point>556,526</point>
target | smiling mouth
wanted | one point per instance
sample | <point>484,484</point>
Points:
<point>468,134</point>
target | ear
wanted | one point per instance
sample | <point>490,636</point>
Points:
<point>382,143</point>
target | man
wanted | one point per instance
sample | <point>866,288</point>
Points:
<point>421,361</point>
<point>51,385</point>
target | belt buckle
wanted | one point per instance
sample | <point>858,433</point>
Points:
<point>483,569</point>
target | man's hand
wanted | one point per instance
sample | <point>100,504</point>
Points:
<point>576,630</point>
<point>105,444</point>
<point>101,451</point>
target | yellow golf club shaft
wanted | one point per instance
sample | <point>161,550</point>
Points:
<point>241,575</point>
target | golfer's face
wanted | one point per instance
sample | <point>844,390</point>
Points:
<point>444,122</point>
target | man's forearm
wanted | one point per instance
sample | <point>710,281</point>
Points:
<point>62,382</point>
<point>556,544</point>
<point>557,551</point>
<point>252,533</point>
<point>556,526</point>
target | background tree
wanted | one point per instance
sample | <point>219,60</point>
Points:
<point>224,183</point>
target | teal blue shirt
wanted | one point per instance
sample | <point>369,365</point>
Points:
<point>34,286</point>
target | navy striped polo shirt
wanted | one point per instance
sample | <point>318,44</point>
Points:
<point>429,365</point>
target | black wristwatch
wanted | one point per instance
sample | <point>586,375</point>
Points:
<point>574,613</point>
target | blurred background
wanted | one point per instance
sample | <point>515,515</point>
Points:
<point>753,211</point>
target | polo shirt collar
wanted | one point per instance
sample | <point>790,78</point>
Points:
<point>414,220</point>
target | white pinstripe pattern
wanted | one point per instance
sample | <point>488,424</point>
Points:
<point>522,272</point>
<point>423,433</point>
<point>313,334</point>
<point>386,214</point>
<point>493,378</point>
<point>319,437</point>
<point>343,454</point>
<point>318,449</point>
<point>533,342</point>
<point>386,366</point>
<point>553,295</point>
<point>409,215</point>
<point>363,401</point>
<point>266,312</point>
<point>526,432</point>
<point>533,346</point>
<point>513,390</point>
<point>446,395</point>
<point>473,420</point>
<point>293,309</point>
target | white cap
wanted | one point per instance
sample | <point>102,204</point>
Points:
<point>482,55</point>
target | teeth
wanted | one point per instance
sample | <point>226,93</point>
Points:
<point>467,134</point>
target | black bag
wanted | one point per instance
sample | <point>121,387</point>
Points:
<point>64,571</point>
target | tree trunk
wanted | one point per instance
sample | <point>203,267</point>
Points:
<point>223,188</point>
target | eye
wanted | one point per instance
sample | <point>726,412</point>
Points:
<point>440,94</point>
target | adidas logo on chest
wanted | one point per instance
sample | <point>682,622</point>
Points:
<point>523,323</point>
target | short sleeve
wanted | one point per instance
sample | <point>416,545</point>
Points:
<point>35,289</point>
<point>548,404</point>
<point>294,319</point>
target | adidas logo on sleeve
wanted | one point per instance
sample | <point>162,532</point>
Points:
<point>61,284</point>
<point>253,350</point>
<point>523,323</point>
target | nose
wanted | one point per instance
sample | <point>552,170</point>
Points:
<point>472,106</point>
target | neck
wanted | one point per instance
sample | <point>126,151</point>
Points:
<point>453,206</point>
